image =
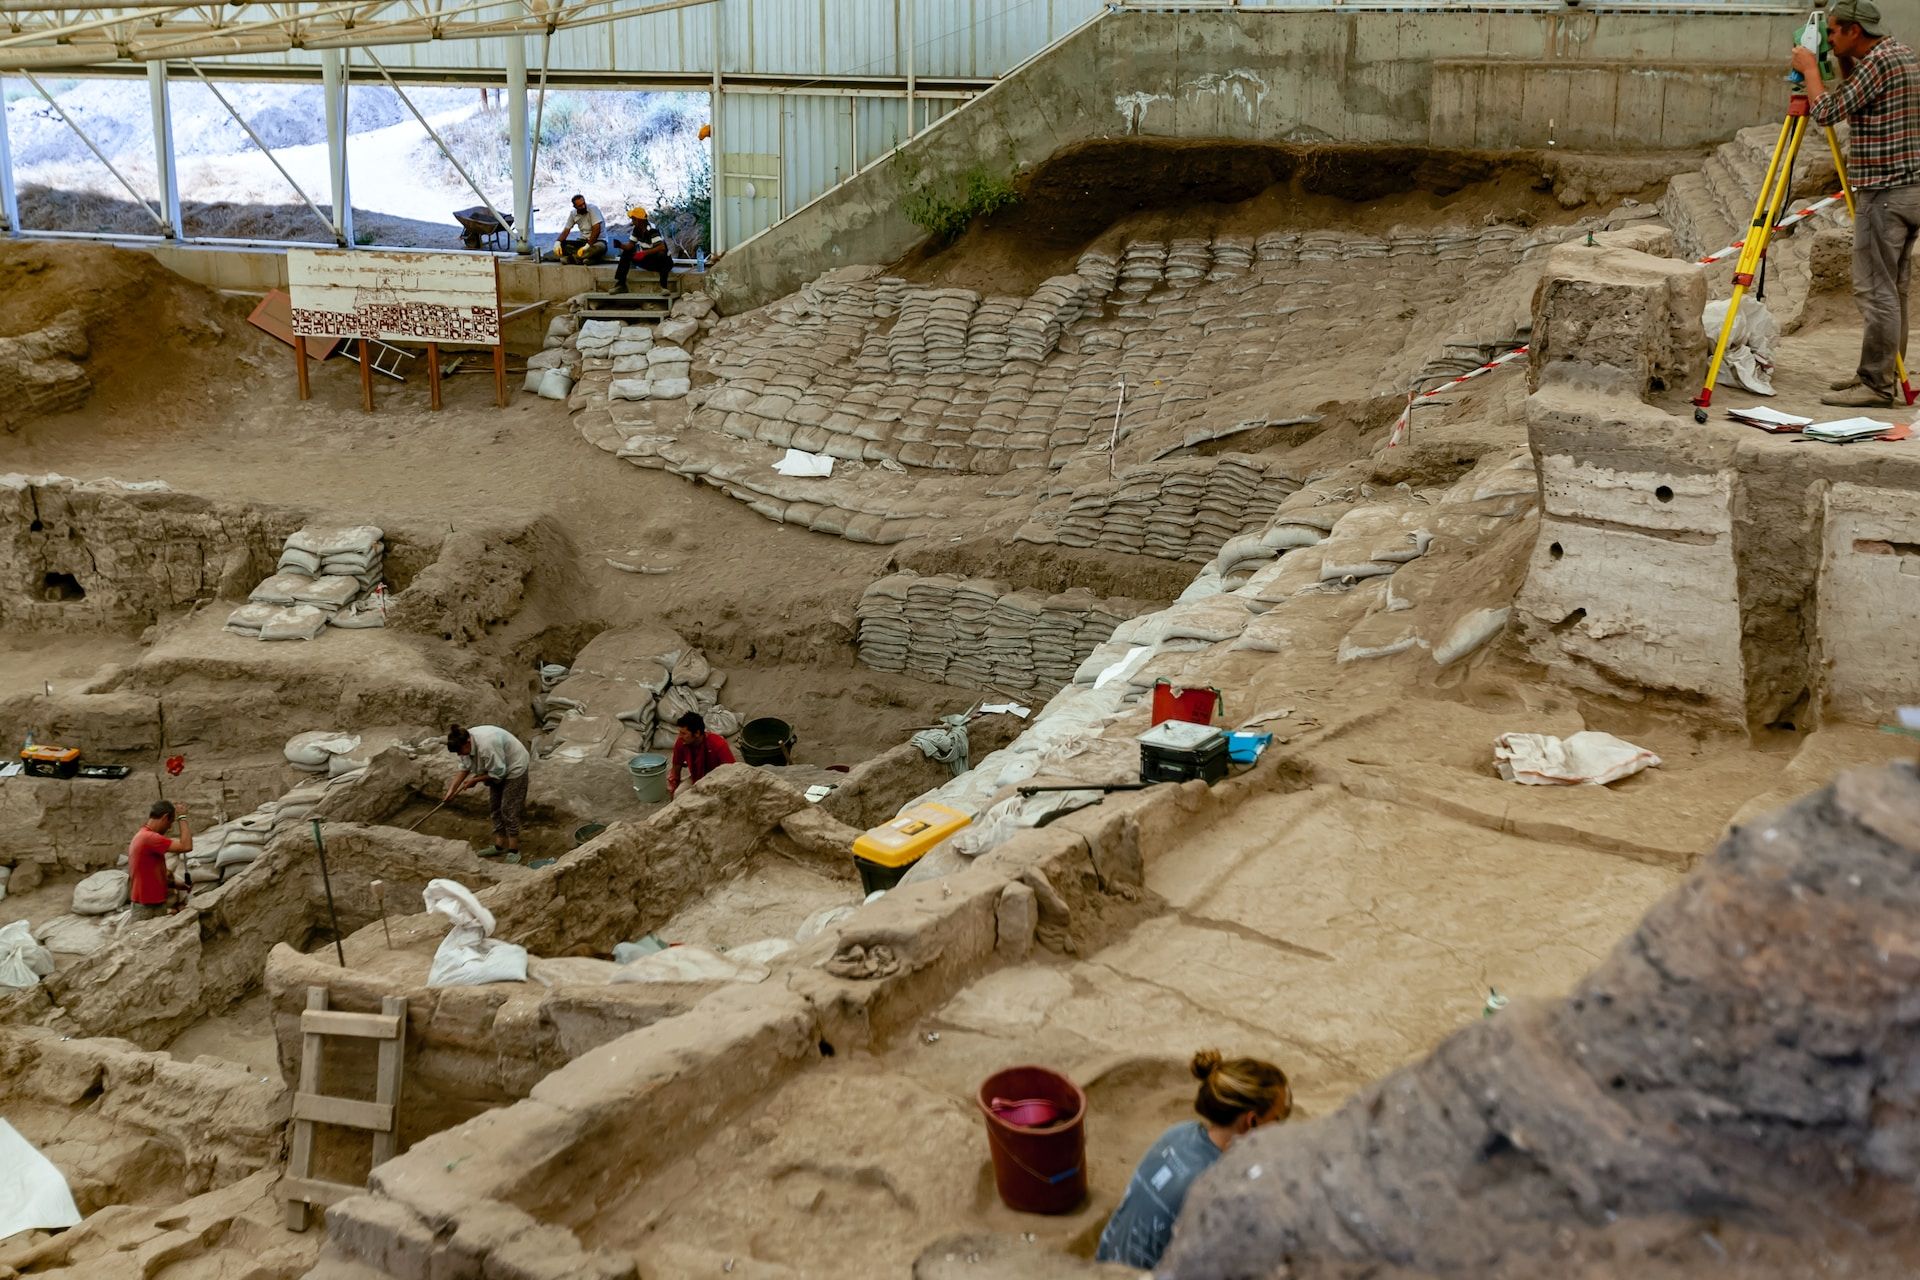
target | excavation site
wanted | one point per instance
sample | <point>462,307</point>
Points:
<point>1222,643</point>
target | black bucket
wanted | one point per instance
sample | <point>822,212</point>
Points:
<point>766,741</point>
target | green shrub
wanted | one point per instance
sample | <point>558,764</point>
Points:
<point>944,217</point>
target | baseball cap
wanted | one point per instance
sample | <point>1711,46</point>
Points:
<point>1864,12</point>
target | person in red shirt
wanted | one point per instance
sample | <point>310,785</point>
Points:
<point>697,751</point>
<point>148,883</point>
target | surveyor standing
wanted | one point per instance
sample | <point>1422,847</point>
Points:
<point>1881,98</point>
<point>697,750</point>
<point>644,247</point>
<point>148,884</point>
<point>590,245</point>
<point>490,755</point>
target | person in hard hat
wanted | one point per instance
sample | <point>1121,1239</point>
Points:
<point>645,247</point>
<point>1880,98</point>
<point>590,244</point>
<point>1237,1096</point>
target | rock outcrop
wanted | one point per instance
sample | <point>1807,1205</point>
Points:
<point>1736,1090</point>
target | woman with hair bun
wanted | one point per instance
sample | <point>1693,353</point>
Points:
<point>1236,1095</point>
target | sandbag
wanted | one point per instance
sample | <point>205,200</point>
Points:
<point>296,622</point>
<point>359,615</point>
<point>23,962</point>
<point>280,588</point>
<point>334,540</point>
<point>249,618</point>
<point>99,893</point>
<point>294,560</point>
<point>467,956</point>
<point>689,964</point>
<point>555,385</point>
<point>675,703</point>
<point>311,751</point>
<point>329,593</point>
<point>72,935</point>
<point>692,669</point>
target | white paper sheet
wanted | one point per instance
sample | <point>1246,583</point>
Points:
<point>1772,417</point>
<point>1847,428</point>
<point>1005,708</point>
<point>798,462</point>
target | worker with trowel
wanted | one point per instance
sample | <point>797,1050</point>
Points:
<point>590,245</point>
<point>490,755</point>
<point>151,888</point>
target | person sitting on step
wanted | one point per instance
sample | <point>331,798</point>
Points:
<point>590,245</point>
<point>644,246</point>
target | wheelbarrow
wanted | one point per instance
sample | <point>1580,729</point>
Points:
<point>479,229</point>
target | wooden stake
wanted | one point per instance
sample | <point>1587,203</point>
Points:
<point>366,377</point>
<point>433,374</point>
<point>500,375</point>
<point>300,366</point>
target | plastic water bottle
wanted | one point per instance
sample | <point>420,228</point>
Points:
<point>700,261</point>
<point>1495,1003</point>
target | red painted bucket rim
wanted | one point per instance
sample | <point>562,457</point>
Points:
<point>990,1089</point>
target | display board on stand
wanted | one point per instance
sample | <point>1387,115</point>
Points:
<point>365,298</point>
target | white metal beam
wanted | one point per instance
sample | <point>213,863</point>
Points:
<point>517,151</point>
<point>9,203</point>
<point>333,99</point>
<point>165,166</point>
<point>438,141</point>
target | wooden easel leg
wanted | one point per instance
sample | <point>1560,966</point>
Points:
<point>433,374</point>
<point>500,375</point>
<point>366,377</point>
<point>300,366</point>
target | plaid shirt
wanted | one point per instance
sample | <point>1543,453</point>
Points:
<point>1882,99</point>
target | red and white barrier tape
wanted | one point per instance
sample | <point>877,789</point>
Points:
<point>1401,423</point>
<point>1798,215</point>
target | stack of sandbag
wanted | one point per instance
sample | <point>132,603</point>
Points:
<point>292,808</point>
<point>243,840</point>
<point>622,695</point>
<point>349,551</point>
<point>315,752</point>
<point>322,575</point>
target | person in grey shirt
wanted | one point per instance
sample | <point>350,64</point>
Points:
<point>1236,1096</point>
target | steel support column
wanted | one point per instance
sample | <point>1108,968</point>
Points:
<point>519,152</point>
<point>165,168</point>
<point>913,116</point>
<point>333,97</point>
<point>9,203</point>
<point>717,188</point>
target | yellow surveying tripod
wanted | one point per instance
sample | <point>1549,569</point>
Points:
<point>1775,188</point>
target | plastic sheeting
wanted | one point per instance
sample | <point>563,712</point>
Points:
<point>33,1193</point>
<point>467,955</point>
<point>1594,758</point>
<point>23,962</point>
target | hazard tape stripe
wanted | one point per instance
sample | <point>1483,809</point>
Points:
<point>1400,424</point>
<point>1798,215</point>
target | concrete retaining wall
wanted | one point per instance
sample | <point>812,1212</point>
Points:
<point>1470,80</point>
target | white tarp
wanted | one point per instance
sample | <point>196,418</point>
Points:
<point>798,462</point>
<point>467,955</point>
<point>33,1193</point>
<point>1542,760</point>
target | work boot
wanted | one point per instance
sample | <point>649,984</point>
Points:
<point>1847,383</point>
<point>491,851</point>
<point>1860,397</point>
<point>619,286</point>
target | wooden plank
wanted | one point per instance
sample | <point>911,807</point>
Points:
<point>300,367</point>
<point>306,1191</point>
<point>500,376</point>
<point>274,315</point>
<point>395,297</point>
<point>366,378</point>
<point>389,1080</point>
<point>300,1159</point>
<point>433,374</point>
<point>372,1026</point>
<point>351,1112</point>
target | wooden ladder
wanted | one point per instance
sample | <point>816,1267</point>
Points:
<point>381,1117</point>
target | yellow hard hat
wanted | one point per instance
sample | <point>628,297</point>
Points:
<point>638,211</point>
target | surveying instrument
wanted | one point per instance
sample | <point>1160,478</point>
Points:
<point>1775,189</point>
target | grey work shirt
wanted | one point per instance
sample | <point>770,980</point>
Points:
<point>1140,1229</point>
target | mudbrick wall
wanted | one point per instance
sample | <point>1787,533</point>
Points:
<point>1763,581</point>
<point>125,1122</point>
<point>1738,1078</point>
<point>502,1193</point>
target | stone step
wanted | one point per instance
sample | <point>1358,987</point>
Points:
<point>622,314</point>
<point>1689,209</point>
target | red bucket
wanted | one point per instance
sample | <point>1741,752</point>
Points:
<point>1036,1130</point>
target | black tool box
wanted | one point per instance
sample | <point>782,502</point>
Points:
<point>1178,751</point>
